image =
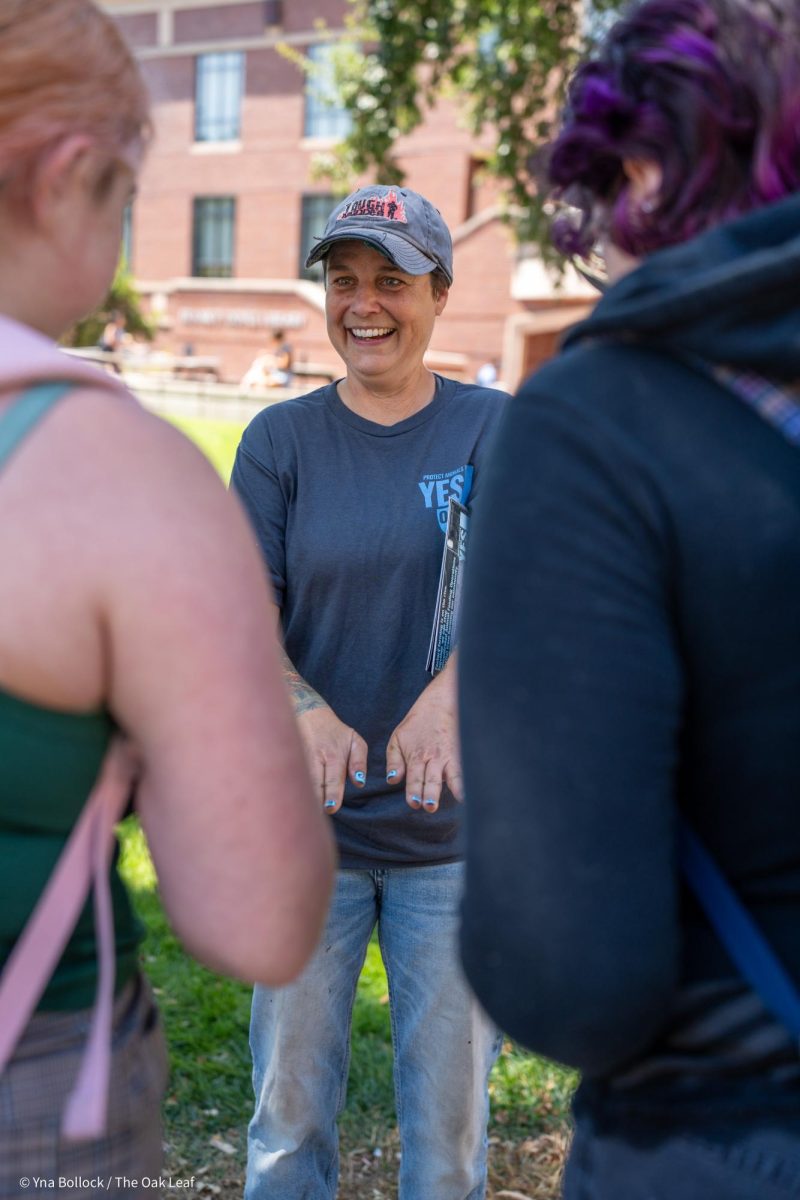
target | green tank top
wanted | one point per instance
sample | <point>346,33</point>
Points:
<point>49,761</point>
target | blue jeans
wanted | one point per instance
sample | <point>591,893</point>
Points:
<point>680,1154</point>
<point>444,1046</point>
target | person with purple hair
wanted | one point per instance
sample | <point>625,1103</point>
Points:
<point>630,649</point>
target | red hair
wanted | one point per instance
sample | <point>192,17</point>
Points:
<point>65,69</point>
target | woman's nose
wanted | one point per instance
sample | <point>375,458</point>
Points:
<point>365,299</point>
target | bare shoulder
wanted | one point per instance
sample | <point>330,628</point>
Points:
<point>138,475</point>
<point>121,531</point>
<point>109,431</point>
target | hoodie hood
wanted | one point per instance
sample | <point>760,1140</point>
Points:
<point>731,295</point>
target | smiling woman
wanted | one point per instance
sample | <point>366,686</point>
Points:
<point>380,320</point>
<point>348,489</point>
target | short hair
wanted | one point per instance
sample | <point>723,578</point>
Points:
<point>709,90</point>
<point>439,282</point>
<point>64,69</point>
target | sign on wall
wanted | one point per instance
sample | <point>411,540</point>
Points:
<point>241,318</point>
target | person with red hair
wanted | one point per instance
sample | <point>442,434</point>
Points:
<point>133,603</point>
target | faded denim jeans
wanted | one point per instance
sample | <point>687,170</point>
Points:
<point>444,1046</point>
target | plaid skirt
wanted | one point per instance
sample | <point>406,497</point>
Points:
<point>35,1161</point>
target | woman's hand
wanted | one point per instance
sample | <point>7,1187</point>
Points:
<point>334,751</point>
<point>424,746</point>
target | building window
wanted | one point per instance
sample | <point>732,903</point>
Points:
<point>212,236</point>
<point>476,173</point>
<point>316,210</point>
<point>127,234</point>
<point>325,116</point>
<point>273,14</point>
<point>219,84</point>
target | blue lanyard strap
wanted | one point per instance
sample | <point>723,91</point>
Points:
<point>734,926</point>
<point>26,410</point>
<point>737,930</point>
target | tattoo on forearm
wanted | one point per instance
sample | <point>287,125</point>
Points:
<point>303,695</point>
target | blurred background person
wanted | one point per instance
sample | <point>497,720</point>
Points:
<point>273,369</point>
<point>348,488</point>
<point>487,374</point>
<point>112,340</point>
<point>134,602</point>
<point>631,638</point>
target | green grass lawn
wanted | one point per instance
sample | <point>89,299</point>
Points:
<point>217,439</point>
<point>206,1020</point>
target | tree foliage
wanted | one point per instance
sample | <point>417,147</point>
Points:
<point>122,298</point>
<point>504,61</point>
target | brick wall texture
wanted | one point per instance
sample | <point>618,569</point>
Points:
<point>268,171</point>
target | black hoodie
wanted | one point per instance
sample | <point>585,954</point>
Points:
<point>631,644</point>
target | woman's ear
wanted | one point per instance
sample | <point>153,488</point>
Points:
<point>644,181</point>
<point>56,178</point>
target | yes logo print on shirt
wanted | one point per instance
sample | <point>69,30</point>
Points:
<point>438,486</point>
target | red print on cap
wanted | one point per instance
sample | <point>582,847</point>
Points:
<point>388,207</point>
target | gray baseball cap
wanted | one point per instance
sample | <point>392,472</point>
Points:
<point>399,223</point>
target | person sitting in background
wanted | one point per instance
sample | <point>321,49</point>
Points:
<point>134,602</point>
<point>630,640</point>
<point>112,339</point>
<point>273,369</point>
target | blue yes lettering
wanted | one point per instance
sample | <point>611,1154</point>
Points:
<point>438,486</point>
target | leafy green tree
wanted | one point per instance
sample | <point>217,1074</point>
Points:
<point>122,298</point>
<point>504,61</point>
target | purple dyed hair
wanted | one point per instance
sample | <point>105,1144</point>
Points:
<point>709,90</point>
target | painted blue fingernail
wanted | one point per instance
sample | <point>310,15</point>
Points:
<point>359,777</point>
<point>415,800</point>
<point>429,803</point>
<point>391,775</point>
<point>330,804</point>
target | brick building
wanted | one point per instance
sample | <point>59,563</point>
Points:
<point>227,204</point>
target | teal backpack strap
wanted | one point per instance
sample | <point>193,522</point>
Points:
<point>26,410</point>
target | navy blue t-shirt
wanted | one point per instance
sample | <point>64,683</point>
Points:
<point>350,515</point>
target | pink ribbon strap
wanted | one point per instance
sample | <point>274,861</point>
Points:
<point>84,861</point>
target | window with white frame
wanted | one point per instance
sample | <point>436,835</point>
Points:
<point>219,86</point>
<point>213,226</point>
<point>325,116</point>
